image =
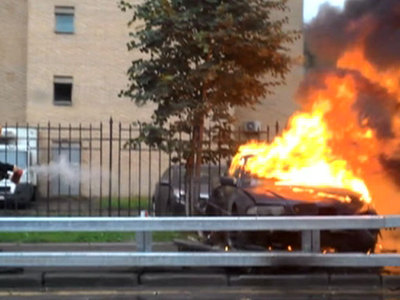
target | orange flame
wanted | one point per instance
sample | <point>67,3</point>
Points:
<point>330,143</point>
<point>302,156</point>
<point>388,79</point>
<point>354,59</point>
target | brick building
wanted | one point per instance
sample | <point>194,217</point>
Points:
<point>49,47</point>
<point>65,61</point>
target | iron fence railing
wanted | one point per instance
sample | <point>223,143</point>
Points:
<point>306,257</point>
<point>90,170</point>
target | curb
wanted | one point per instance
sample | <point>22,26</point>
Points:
<point>95,279</point>
<point>295,280</point>
<point>183,279</point>
<point>373,283</point>
<point>355,281</point>
<point>23,280</point>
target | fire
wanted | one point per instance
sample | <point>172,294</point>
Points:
<point>325,145</point>
<point>349,113</point>
<point>354,59</point>
<point>301,156</point>
<point>387,79</point>
<point>347,122</point>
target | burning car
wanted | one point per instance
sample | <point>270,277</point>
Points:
<point>244,194</point>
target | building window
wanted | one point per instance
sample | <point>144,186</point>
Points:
<point>62,90</point>
<point>64,19</point>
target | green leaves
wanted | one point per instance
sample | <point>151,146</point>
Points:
<point>202,58</point>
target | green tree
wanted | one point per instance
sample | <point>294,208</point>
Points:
<point>201,59</point>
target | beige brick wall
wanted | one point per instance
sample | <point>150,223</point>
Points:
<point>13,45</point>
<point>281,105</point>
<point>97,59</point>
<point>95,55</point>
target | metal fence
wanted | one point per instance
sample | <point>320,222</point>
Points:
<point>306,257</point>
<point>90,170</point>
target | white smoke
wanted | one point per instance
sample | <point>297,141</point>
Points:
<point>69,172</point>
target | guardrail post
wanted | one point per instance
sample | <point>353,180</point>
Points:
<point>144,239</point>
<point>310,241</point>
<point>316,241</point>
<point>306,241</point>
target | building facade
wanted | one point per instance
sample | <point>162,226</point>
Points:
<point>13,60</point>
<point>76,49</point>
<point>64,62</point>
<point>281,105</point>
<point>71,49</point>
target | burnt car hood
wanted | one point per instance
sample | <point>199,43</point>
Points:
<point>340,200</point>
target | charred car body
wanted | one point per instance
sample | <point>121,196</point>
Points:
<point>246,195</point>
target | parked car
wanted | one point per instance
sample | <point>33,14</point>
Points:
<point>170,197</point>
<point>246,195</point>
<point>18,146</point>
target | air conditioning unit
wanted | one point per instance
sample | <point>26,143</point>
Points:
<point>251,126</point>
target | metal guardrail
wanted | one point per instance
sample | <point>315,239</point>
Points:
<point>289,223</point>
<point>195,259</point>
<point>310,226</point>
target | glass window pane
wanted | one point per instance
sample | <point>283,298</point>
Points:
<point>65,23</point>
<point>62,92</point>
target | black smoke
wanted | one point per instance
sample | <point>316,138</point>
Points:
<point>375,22</point>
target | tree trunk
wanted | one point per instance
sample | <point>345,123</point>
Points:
<point>195,164</point>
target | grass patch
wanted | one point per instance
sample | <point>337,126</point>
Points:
<point>169,236</point>
<point>125,203</point>
<point>83,237</point>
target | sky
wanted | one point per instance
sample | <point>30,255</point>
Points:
<point>311,7</point>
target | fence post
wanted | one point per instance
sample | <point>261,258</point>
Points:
<point>110,168</point>
<point>144,239</point>
<point>48,175</point>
